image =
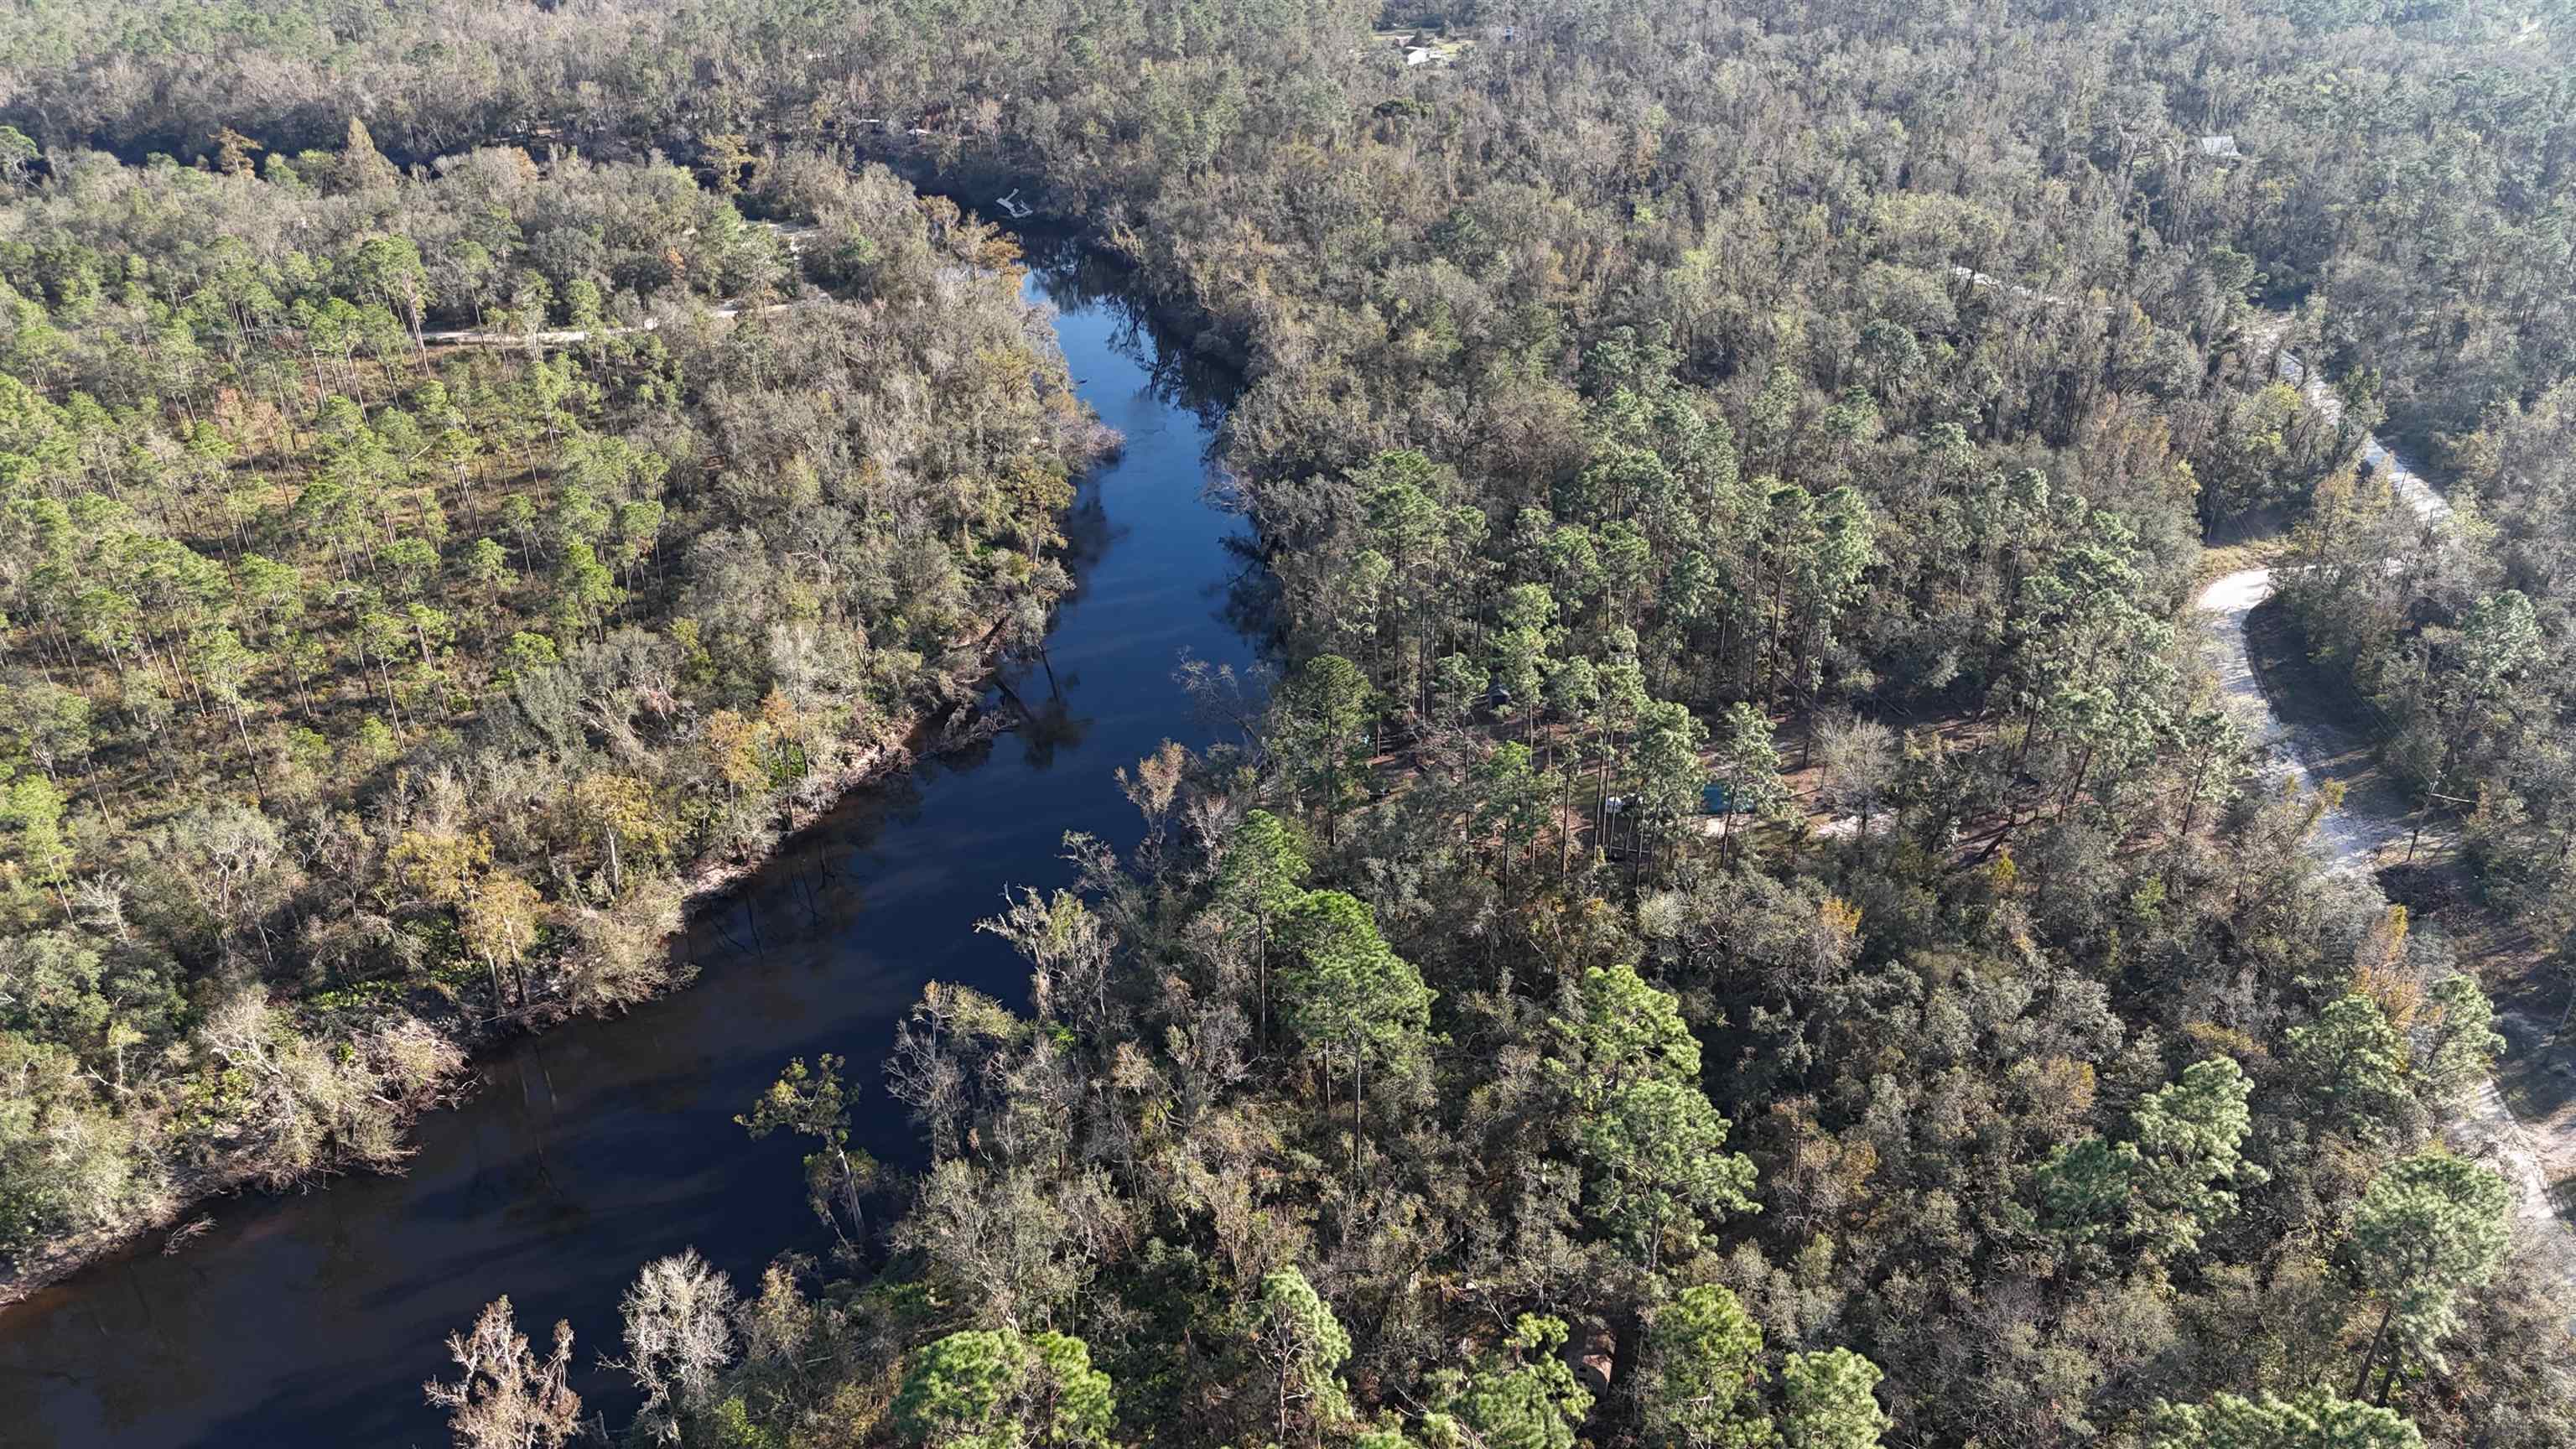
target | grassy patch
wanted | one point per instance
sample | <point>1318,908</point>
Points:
<point>2219,560</point>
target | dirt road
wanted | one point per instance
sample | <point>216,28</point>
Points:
<point>2357,840</point>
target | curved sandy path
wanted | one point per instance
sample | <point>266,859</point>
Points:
<point>2354,839</point>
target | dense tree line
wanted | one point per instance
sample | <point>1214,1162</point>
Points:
<point>365,693</point>
<point>1648,408</point>
<point>2405,165</point>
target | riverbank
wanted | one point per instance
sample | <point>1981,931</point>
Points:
<point>605,1143</point>
<point>703,888</point>
<point>449,1026</point>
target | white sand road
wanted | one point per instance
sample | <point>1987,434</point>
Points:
<point>2353,839</point>
<point>2356,840</point>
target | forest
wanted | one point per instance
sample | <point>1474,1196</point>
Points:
<point>368,694</point>
<point>1738,913</point>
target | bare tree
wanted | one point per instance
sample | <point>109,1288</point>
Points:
<point>679,1338</point>
<point>507,1398</point>
<point>1858,759</point>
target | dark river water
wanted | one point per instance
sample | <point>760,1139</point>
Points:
<point>312,1319</point>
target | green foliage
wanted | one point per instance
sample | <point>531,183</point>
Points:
<point>1830,1401</point>
<point>2317,1419</point>
<point>1326,731</point>
<point>2087,1187</point>
<point>1747,765</point>
<point>2190,1137</point>
<point>1521,1395</point>
<point>1079,1407</point>
<point>2162,1190</point>
<point>1265,867</point>
<point>1650,1140</point>
<point>2464,1043</point>
<point>31,807</point>
<point>1703,1373</point>
<point>954,1390</point>
<point>1343,988</point>
<point>1678,368</point>
<point>1306,1347</point>
<point>276,545</point>
<point>2352,1058</point>
<point>995,1389</point>
<point>2429,1229</point>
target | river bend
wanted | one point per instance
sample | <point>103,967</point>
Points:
<point>311,1319</point>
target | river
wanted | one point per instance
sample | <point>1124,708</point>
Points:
<point>312,1318</point>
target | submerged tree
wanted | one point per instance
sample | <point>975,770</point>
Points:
<point>679,1338</point>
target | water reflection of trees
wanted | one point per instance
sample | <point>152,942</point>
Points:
<point>1177,374</point>
<point>1251,595</point>
<point>552,1174</point>
<point>1048,726</point>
